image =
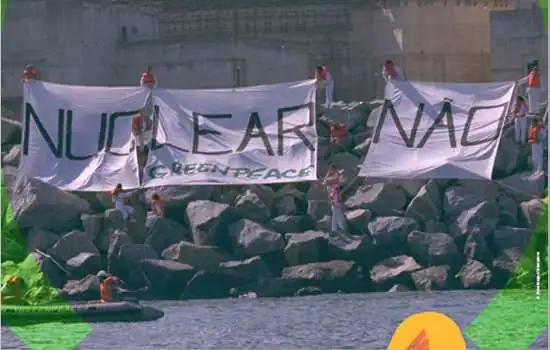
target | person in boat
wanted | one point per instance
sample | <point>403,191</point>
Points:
<point>12,291</point>
<point>120,197</point>
<point>519,115</point>
<point>157,206</point>
<point>111,288</point>
<point>333,182</point>
<point>324,80</point>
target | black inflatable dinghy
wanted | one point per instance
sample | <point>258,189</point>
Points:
<point>123,311</point>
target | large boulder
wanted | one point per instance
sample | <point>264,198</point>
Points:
<point>304,248</point>
<point>291,223</point>
<point>209,221</point>
<point>433,278</point>
<point>510,155</point>
<point>390,232</point>
<point>504,265</point>
<point>509,210</point>
<point>40,239</point>
<point>130,256</point>
<point>530,212</point>
<point>475,275</point>
<point>426,204</point>
<point>434,249</point>
<point>482,218</point>
<point>358,220</point>
<point>205,258</point>
<point>246,270</point>
<point>92,224</point>
<point>330,276</point>
<point>167,278</point>
<point>524,186</point>
<point>458,199</point>
<point>477,247</point>
<point>511,237</point>
<point>265,193</point>
<point>250,239</point>
<point>382,199</point>
<point>52,269</point>
<point>164,232</point>
<point>317,209</point>
<point>286,205</point>
<point>37,204</point>
<point>84,264</point>
<point>84,289</point>
<point>394,270</point>
<point>11,131</point>
<point>250,206</point>
<point>72,244</point>
<point>358,249</point>
<point>207,285</point>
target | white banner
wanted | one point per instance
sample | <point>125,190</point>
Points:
<point>438,130</point>
<point>253,135</point>
<point>79,138</point>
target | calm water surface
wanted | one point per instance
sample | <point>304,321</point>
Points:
<point>353,321</point>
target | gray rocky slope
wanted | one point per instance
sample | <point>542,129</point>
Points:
<point>273,240</point>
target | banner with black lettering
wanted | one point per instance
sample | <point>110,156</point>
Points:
<point>438,131</point>
<point>79,138</point>
<point>253,135</point>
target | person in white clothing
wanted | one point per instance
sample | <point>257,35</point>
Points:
<point>534,89</point>
<point>119,197</point>
<point>324,80</point>
<point>333,182</point>
<point>520,120</point>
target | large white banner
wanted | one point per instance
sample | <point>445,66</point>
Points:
<point>253,135</point>
<point>438,130</point>
<point>80,138</point>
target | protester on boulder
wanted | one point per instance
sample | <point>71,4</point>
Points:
<point>333,182</point>
<point>148,78</point>
<point>120,198</point>
<point>536,138</point>
<point>338,135</point>
<point>390,71</point>
<point>12,291</point>
<point>534,88</point>
<point>324,80</point>
<point>138,128</point>
<point>30,73</point>
<point>157,205</point>
<point>520,120</point>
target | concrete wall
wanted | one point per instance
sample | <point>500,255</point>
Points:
<point>196,45</point>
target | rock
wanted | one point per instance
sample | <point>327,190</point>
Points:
<point>51,269</point>
<point>524,186</point>
<point>131,255</point>
<point>12,157</point>
<point>291,223</point>
<point>113,219</point>
<point>31,199</point>
<point>308,291</point>
<point>207,285</point>
<point>317,192</point>
<point>434,249</point>
<point>286,205</point>
<point>116,239</point>
<point>304,248</point>
<point>228,196</point>
<point>481,219</point>
<point>168,279</point>
<point>11,131</point>
<point>475,275</point>
<point>205,258</point>
<point>394,270</point>
<point>266,194</point>
<point>432,278</point>
<point>511,237</point>
<point>476,248</point>
<point>250,239</point>
<point>40,239</point>
<point>164,232</point>
<point>391,231</point>
<point>399,288</point>
<point>72,244</point>
<point>324,224</point>
<point>209,221</point>
<point>92,224</point>
<point>362,148</point>
<point>505,264</point>
<point>83,289</point>
<point>530,211</point>
<point>317,209</point>
<point>84,264</point>
<point>250,206</point>
<point>426,204</point>
<point>329,276</point>
<point>458,199</point>
<point>508,209</point>
<point>358,220</point>
<point>509,155</point>
<point>246,270</point>
<point>358,249</point>
<point>382,199</point>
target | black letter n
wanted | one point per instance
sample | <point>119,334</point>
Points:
<point>30,113</point>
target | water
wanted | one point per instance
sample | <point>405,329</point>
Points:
<point>352,321</point>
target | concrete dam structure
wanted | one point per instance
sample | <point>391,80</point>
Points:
<point>218,43</point>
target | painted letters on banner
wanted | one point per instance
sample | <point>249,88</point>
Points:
<point>439,131</point>
<point>253,135</point>
<point>79,138</point>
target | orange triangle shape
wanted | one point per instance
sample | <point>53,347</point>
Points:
<point>420,342</point>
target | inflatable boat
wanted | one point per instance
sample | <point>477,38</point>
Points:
<point>124,311</point>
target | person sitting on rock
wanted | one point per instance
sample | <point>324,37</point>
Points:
<point>324,80</point>
<point>148,78</point>
<point>520,120</point>
<point>30,73</point>
<point>536,139</point>
<point>157,205</point>
<point>119,197</point>
<point>333,181</point>
<point>12,291</point>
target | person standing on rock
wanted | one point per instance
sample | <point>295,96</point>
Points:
<point>119,197</point>
<point>534,89</point>
<point>333,182</point>
<point>157,206</point>
<point>536,138</point>
<point>324,80</point>
<point>520,120</point>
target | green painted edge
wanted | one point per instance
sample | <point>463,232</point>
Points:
<point>514,319</point>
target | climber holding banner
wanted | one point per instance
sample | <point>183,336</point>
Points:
<point>534,88</point>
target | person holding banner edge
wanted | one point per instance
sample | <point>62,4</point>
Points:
<point>120,197</point>
<point>520,120</point>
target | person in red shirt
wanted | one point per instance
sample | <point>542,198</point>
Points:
<point>333,182</point>
<point>534,89</point>
<point>111,288</point>
<point>138,128</point>
<point>324,80</point>
<point>391,72</point>
<point>338,135</point>
<point>536,137</point>
<point>148,78</point>
<point>30,73</point>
